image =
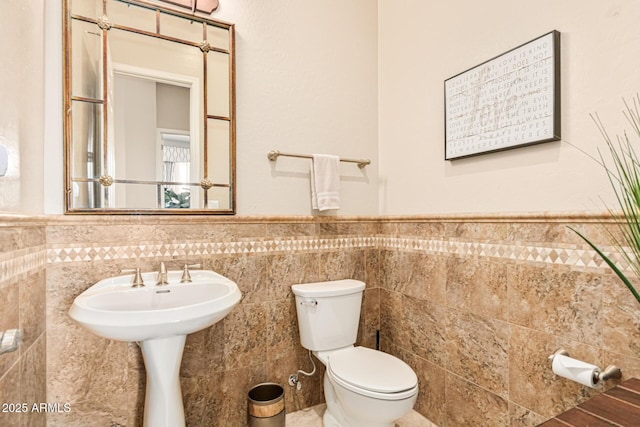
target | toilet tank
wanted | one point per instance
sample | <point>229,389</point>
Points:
<point>328,313</point>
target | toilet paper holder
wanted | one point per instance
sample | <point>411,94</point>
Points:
<point>611,372</point>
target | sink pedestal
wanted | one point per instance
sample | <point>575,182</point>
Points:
<point>163,400</point>
<point>158,318</point>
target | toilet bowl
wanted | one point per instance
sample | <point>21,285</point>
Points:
<point>362,386</point>
<point>365,387</point>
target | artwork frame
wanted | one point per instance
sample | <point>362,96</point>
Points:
<point>506,102</point>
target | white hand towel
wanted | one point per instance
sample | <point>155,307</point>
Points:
<point>325,182</point>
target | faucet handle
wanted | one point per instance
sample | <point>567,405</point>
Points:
<point>137,279</point>
<point>186,276</point>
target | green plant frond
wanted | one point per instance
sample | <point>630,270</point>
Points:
<point>633,114</point>
<point>631,256</point>
<point>628,196</point>
<point>603,131</point>
<point>588,154</point>
<point>611,264</point>
<point>623,172</point>
<point>622,244</point>
<point>602,162</point>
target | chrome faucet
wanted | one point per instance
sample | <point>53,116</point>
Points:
<point>137,278</point>
<point>162,275</point>
<point>186,276</point>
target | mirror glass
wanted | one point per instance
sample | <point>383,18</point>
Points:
<point>150,106</point>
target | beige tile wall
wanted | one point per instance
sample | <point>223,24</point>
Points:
<point>258,341</point>
<point>475,305</point>
<point>22,296</point>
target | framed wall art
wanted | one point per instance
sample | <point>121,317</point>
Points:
<point>509,101</point>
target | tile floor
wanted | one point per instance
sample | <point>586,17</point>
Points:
<point>312,417</point>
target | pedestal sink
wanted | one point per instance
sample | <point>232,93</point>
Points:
<point>158,318</point>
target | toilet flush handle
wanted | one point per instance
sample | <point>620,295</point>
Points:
<point>309,302</point>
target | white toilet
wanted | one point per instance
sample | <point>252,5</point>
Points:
<point>362,387</point>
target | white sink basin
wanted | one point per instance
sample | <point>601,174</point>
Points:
<point>158,318</point>
<point>113,309</point>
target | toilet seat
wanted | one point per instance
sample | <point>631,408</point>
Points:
<point>372,373</point>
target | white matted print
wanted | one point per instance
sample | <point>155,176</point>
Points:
<point>509,101</point>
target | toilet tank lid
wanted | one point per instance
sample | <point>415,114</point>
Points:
<point>328,289</point>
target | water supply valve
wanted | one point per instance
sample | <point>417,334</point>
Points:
<point>294,381</point>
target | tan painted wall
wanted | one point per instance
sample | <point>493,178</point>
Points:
<point>21,104</point>
<point>423,43</point>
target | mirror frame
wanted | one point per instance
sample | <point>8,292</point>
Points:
<point>107,180</point>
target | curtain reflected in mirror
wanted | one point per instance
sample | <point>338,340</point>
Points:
<point>176,164</point>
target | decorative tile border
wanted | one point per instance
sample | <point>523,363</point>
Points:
<point>98,253</point>
<point>556,255</point>
<point>20,262</point>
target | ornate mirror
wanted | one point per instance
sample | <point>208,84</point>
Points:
<point>149,110</point>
